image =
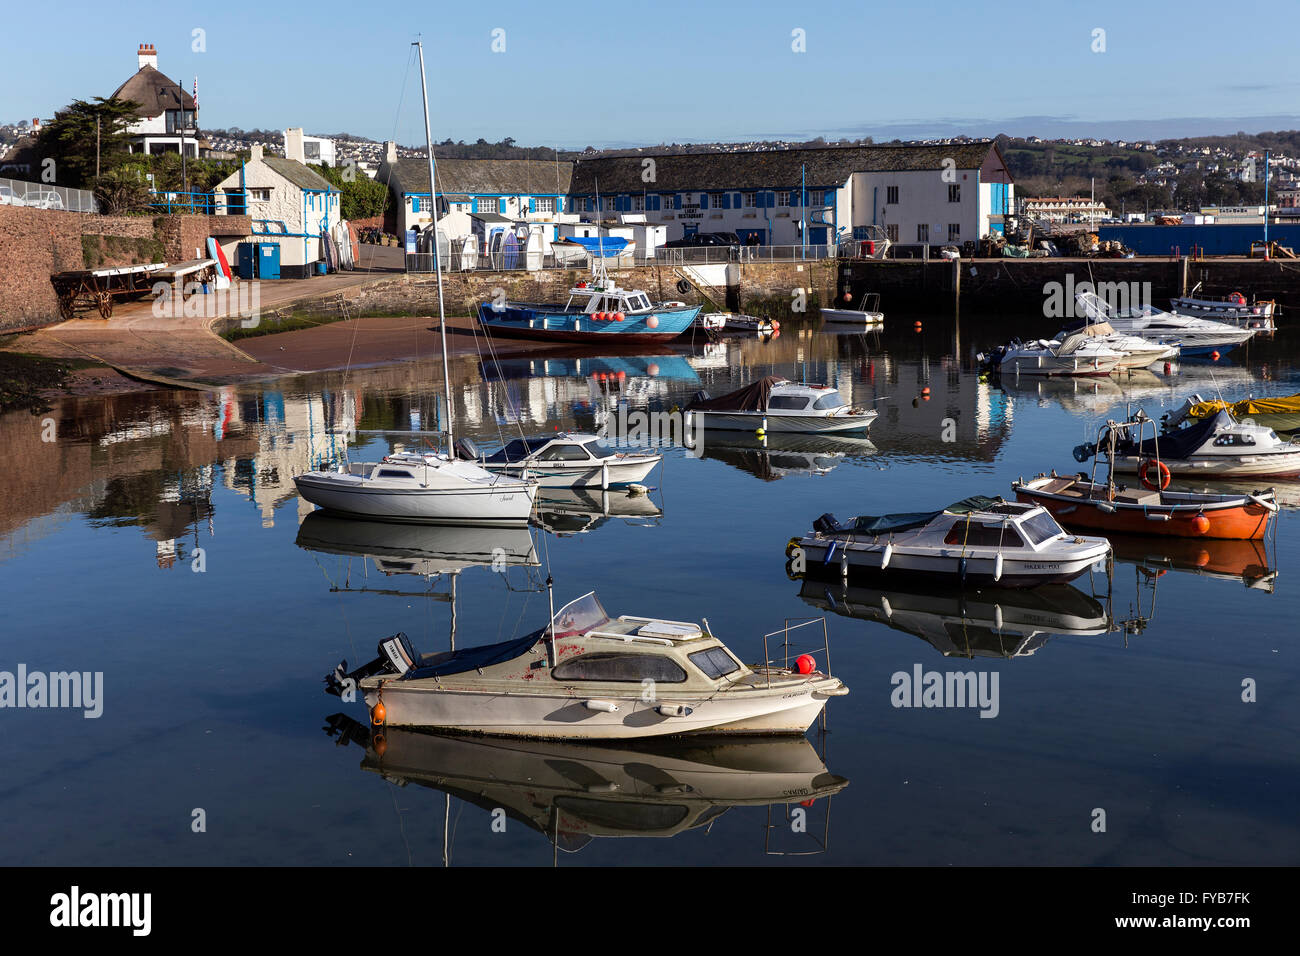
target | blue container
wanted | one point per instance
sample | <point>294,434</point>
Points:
<point>320,268</point>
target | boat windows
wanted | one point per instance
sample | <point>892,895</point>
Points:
<point>564,453</point>
<point>579,616</point>
<point>789,402</point>
<point>393,473</point>
<point>620,667</point>
<point>1041,527</point>
<point>830,400</point>
<point>1232,439</point>
<point>976,534</point>
<point>598,450</point>
<point>715,662</point>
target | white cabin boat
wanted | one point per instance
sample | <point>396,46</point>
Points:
<point>775,404</point>
<point>589,676</point>
<point>566,460</point>
<point>867,313</point>
<point>975,542</point>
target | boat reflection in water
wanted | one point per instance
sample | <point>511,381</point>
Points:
<point>1229,560</point>
<point>573,793</point>
<point>782,454</point>
<point>971,623</point>
<point>566,511</point>
<point>425,550</point>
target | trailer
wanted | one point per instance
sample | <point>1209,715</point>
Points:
<point>97,288</point>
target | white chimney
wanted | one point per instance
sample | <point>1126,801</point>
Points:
<point>256,156</point>
<point>148,56</point>
<point>390,152</point>
<point>293,148</point>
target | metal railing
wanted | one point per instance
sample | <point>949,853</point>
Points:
<point>17,192</point>
<point>704,255</point>
<point>201,204</point>
<point>455,261</point>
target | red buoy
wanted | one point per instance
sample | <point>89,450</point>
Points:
<point>805,664</point>
<point>1168,368</point>
<point>1201,524</point>
<point>1214,356</point>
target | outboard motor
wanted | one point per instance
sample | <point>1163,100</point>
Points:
<point>466,449</point>
<point>826,524</point>
<point>1083,452</point>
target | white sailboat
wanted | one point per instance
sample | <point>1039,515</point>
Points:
<point>436,488</point>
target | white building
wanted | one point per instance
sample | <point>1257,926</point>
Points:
<point>316,150</point>
<point>917,195</point>
<point>167,115</point>
<point>289,204</point>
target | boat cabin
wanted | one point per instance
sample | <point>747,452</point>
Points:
<point>606,298</point>
<point>1005,525</point>
<point>810,399</point>
<point>562,447</point>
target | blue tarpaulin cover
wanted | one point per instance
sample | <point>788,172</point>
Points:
<point>472,658</point>
<point>599,245</point>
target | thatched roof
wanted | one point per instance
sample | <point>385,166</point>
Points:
<point>155,92</point>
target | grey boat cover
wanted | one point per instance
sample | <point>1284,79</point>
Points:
<point>1180,442</point>
<point>907,520</point>
<point>751,398</point>
<point>472,658</point>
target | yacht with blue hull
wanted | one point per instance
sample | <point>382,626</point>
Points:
<point>597,312</point>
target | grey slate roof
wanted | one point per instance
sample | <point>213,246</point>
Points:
<point>523,177</point>
<point>298,174</point>
<point>826,166</point>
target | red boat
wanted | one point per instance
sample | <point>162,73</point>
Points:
<point>1083,502</point>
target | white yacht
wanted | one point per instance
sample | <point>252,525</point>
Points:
<point>1193,336</point>
<point>1137,352</point>
<point>1077,354</point>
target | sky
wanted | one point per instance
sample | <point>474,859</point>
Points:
<point>643,72</point>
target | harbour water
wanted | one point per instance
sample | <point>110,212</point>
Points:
<point>157,540</point>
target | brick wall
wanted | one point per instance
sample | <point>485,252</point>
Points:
<point>33,244</point>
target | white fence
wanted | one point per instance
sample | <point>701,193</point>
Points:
<point>17,192</point>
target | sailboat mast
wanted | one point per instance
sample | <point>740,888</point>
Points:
<point>437,264</point>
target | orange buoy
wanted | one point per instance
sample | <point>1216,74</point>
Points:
<point>1202,559</point>
<point>621,375</point>
<point>848,296</point>
<point>380,745</point>
<point>775,324</point>
<point>1214,356</point>
<point>652,369</point>
<point>1165,478</point>
<point>652,322</point>
<point>618,316</point>
<point>917,325</point>
<point>925,390</point>
<point>1201,524</point>
<point>1168,368</point>
<point>805,664</point>
<point>378,714</point>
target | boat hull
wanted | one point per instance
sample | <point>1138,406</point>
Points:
<point>509,507</point>
<point>945,567</point>
<point>852,317</point>
<point>785,709</point>
<point>1050,366</point>
<point>558,325</point>
<point>1241,519</point>
<point>548,476</point>
<point>810,424</point>
<point>1279,465</point>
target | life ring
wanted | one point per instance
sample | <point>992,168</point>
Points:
<point>1237,298</point>
<point>1161,467</point>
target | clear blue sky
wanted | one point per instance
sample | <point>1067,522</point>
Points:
<point>648,71</point>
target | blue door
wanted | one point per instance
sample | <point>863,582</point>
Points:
<point>817,235</point>
<point>268,260</point>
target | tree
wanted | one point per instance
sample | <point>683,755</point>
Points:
<point>121,191</point>
<point>86,135</point>
<point>360,196</point>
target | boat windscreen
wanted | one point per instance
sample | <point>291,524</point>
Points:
<point>905,521</point>
<point>579,616</point>
<point>517,450</point>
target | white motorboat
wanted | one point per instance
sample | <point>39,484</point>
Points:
<point>775,404</point>
<point>1233,309</point>
<point>588,676</point>
<point>565,460</point>
<point>1217,447</point>
<point>867,313</point>
<point>1137,352</point>
<point>1192,335</point>
<point>434,488</point>
<point>1281,413</point>
<point>975,542</point>
<point>1077,354</point>
<point>718,322</point>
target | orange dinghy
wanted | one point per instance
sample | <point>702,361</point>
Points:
<point>1084,502</point>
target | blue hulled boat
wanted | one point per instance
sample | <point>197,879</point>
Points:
<point>597,312</point>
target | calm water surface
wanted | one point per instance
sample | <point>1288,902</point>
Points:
<point>1124,696</point>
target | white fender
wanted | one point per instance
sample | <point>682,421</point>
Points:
<point>997,567</point>
<point>884,558</point>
